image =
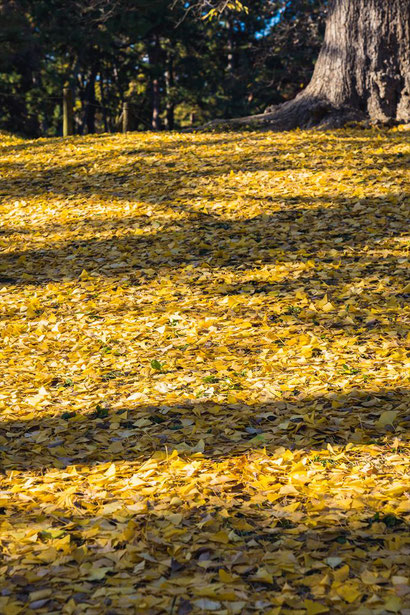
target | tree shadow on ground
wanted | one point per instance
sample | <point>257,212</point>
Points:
<point>331,230</point>
<point>173,172</point>
<point>116,562</point>
<point>161,545</point>
<point>301,553</point>
<point>88,543</point>
<point>227,430</point>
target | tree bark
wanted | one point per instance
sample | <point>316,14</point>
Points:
<point>154,55</point>
<point>230,64</point>
<point>364,62</point>
<point>169,87</point>
<point>107,128</point>
<point>90,103</point>
<point>362,72</point>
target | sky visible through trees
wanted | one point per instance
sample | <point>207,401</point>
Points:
<point>151,54</point>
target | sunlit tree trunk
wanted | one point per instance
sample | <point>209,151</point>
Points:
<point>364,62</point>
<point>362,72</point>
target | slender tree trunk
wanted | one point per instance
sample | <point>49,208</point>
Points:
<point>230,65</point>
<point>90,102</point>
<point>169,85</point>
<point>154,56</point>
<point>103,101</point>
<point>230,49</point>
<point>156,100</point>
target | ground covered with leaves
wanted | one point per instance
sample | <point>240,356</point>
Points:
<point>204,375</point>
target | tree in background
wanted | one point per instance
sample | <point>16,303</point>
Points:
<point>172,67</point>
<point>20,59</point>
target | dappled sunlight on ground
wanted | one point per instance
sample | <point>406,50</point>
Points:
<point>204,374</point>
<point>289,528</point>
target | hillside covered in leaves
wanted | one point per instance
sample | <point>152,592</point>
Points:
<point>204,378</point>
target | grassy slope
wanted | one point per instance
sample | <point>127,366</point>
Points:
<point>203,373</point>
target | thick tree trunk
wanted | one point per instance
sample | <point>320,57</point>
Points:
<point>364,63</point>
<point>362,72</point>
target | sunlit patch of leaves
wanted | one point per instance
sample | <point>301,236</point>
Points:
<point>204,374</point>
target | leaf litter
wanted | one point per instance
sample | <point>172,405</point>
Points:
<point>204,374</point>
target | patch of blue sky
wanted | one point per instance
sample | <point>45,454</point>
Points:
<point>272,22</point>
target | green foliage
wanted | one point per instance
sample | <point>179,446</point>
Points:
<point>235,62</point>
<point>157,365</point>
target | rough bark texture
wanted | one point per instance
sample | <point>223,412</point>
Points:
<point>362,72</point>
<point>364,62</point>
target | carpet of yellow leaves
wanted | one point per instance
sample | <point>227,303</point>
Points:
<point>204,374</point>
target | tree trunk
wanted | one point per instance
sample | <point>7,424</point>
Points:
<point>169,86</point>
<point>362,72</point>
<point>90,103</point>
<point>103,102</point>
<point>364,63</point>
<point>156,100</point>
<point>230,65</point>
<point>154,55</point>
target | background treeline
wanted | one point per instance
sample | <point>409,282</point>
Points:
<point>171,66</point>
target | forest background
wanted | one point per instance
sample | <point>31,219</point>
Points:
<point>174,68</point>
